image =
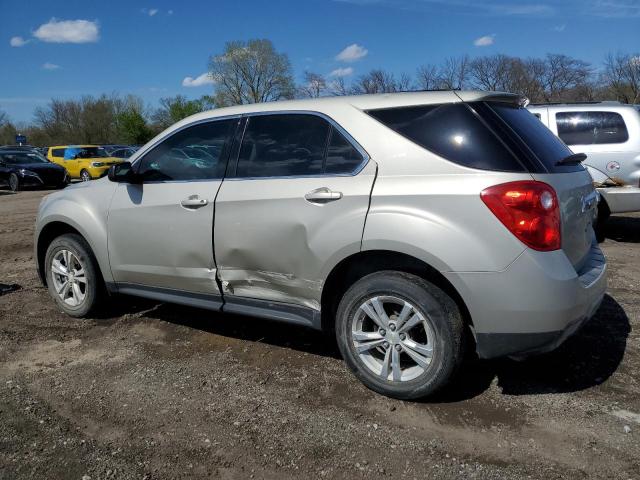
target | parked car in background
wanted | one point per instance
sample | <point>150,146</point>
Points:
<point>19,169</point>
<point>20,148</point>
<point>408,225</point>
<point>609,134</point>
<point>123,152</point>
<point>85,162</point>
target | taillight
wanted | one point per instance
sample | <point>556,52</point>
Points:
<point>530,211</point>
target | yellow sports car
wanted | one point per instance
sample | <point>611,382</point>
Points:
<point>82,161</point>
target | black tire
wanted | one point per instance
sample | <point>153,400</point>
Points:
<point>94,283</point>
<point>85,176</point>
<point>443,314</point>
<point>14,183</point>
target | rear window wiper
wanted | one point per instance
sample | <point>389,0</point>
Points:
<point>572,159</point>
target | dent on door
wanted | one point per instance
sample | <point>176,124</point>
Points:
<point>277,239</point>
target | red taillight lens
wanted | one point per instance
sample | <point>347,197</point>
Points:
<point>529,210</point>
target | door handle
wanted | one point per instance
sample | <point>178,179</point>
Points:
<point>322,195</point>
<point>194,201</point>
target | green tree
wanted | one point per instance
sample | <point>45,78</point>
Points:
<point>174,109</point>
<point>251,72</point>
<point>133,127</point>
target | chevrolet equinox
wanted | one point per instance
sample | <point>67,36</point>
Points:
<point>409,225</point>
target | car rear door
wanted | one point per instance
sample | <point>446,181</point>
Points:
<point>294,202</point>
<point>160,231</point>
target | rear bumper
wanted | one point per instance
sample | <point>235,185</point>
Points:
<point>533,305</point>
<point>621,199</point>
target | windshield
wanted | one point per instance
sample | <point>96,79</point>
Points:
<point>18,158</point>
<point>85,152</point>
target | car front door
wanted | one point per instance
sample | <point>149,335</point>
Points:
<point>161,230</point>
<point>71,162</point>
<point>295,201</point>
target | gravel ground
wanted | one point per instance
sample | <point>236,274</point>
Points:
<point>149,390</point>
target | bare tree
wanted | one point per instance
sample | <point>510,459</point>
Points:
<point>338,87</point>
<point>380,81</point>
<point>428,77</point>
<point>4,118</point>
<point>622,76</point>
<point>562,76</point>
<point>250,72</point>
<point>314,86</point>
<point>454,73</point>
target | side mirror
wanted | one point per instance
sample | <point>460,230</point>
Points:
<point>123,173</point>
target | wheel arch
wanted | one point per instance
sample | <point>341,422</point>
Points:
<point>50,232</point>
<point>356,266</point>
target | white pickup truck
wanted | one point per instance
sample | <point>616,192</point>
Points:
<point>609,134</point>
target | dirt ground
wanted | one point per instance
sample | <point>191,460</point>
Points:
<point>151,390</point>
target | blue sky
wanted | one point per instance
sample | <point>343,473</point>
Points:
<point>149,48</point>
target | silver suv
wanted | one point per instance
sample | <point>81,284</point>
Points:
<point>609,134</point>
<point>410,225</point>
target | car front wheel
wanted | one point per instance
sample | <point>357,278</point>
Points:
<point>14,182</point>
<point>399,334</point>
<point>85,176</point>
<point>72,275</point>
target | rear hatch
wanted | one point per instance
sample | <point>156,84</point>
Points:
<point>549,160</point>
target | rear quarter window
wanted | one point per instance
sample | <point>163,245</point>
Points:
<point>591,128</point>
<point>453,131</point>
<point>57,152</point>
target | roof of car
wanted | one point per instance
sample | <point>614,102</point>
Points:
<point>362,102</point>
<point>74,146</point>
<point>583,106</point>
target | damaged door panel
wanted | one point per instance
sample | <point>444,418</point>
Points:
<point>273,244</point>
<point>160,230</point>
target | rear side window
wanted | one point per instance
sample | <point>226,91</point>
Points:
<point>283,145</point>
<point>591,128</point>
<point>57,152</point>
<point>342,157</point>
<point>452,131</point>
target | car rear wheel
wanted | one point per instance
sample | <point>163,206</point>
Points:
<point>14,182</point>
<point>72,275</point>
<point>400,335</point>
<point>85,176</point>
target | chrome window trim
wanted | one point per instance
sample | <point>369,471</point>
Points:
<point>352,141</point>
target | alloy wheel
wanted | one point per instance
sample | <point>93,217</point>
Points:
<point>69,279</point>
<point>392,338</point>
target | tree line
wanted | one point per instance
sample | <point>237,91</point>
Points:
<point>254,71</point>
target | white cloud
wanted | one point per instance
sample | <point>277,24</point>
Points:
<point>352,53</point>
<point>199,81</point>
<point>50,66</point>
<point>68,31</point>
<point>18,42</point>
<point>484,41</point>
<point>341,72</point>
<point>560,28</point>
<point>169,12</point>
<point>152,11</point>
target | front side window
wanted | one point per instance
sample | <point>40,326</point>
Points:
<point>195,153</point>
<point>591,128</point>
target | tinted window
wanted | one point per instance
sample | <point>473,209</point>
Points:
<point>283,145</point>
<point>17,158</point>
<point>57,152</point>
<point>342,157</point>
<point>452,131</point>
<point>588,128</point>
<point>544,145</point>
<point>195,153</point>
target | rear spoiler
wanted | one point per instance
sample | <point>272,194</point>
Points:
<point>500,97</point>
